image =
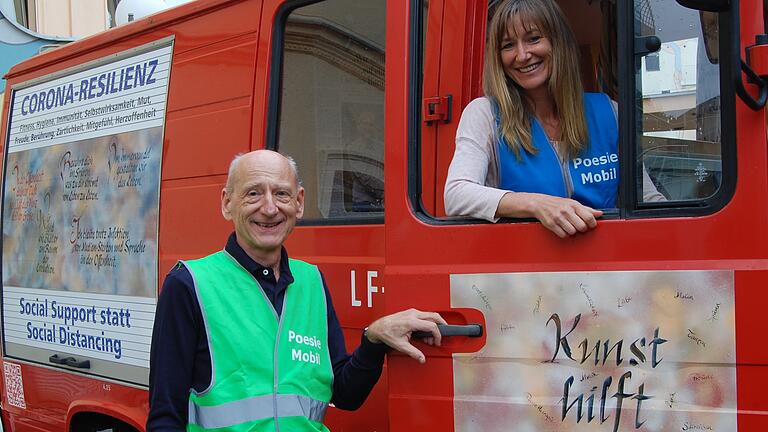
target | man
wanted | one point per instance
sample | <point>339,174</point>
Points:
<point>246,338</point>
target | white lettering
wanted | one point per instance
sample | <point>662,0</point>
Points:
<point>596,161</point>
<point>306,357</point>
<point>372,288</point>
<point>602,176</point>
<point>303,340</point>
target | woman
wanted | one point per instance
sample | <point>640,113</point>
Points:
<point>536,145</point>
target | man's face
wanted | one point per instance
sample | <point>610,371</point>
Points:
<point>264,202</point>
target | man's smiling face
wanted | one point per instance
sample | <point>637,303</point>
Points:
<point>263,200</point>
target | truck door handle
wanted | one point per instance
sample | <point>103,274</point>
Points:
<point>70,361</point>
<point>469,330</point>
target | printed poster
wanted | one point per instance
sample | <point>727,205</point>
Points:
<point>602,351</point>
<point>80,209</point>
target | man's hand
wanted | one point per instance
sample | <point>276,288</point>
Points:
<point>395,330</point>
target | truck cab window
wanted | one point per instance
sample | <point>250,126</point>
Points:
<point>675,156</point>
<point>331,106</point>
<point>678,104</point>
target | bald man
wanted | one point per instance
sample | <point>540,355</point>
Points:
<point>247,339</point>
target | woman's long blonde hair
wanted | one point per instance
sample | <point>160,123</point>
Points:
<point>515,110</point>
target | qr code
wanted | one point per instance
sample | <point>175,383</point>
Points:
<point>14,387</point>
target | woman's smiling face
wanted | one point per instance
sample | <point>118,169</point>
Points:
<point>526,55</point>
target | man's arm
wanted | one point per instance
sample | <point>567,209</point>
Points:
<point>354,376</point>
<point>171,360</point>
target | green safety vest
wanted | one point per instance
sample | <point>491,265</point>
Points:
<point>268,373</point>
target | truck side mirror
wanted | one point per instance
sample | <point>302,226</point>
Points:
<point>707,5</point>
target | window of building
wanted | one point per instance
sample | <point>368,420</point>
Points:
<point>21,11</point>
<point>652,62</point>
<point>330,93</point>
<point>111,8</point>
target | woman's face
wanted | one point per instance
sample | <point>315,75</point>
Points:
<point>526,55</point>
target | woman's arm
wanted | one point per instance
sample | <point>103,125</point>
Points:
<point>470,187</point>
<point>650,193</point>
<point>563,216</point>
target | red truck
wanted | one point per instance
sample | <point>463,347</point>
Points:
<point>116,148</point>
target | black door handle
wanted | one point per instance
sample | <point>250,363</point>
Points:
<point>70,361</point>
<point>469,330</point>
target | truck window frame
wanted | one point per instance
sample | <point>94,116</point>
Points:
<point>274,110</point>
<point>628,206</point>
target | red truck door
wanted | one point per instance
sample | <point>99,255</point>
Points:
<point>644,323</point>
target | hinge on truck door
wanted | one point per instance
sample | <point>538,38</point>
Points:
<point>437,109</point>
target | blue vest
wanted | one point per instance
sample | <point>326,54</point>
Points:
<point>593,174</point>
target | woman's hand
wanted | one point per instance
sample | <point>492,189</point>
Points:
<point>563,216</point>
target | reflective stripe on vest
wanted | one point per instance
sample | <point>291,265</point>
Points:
<point>256,408</point>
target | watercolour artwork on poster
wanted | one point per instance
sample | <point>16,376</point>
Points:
<point>598,351</point>
<point>81,208</point>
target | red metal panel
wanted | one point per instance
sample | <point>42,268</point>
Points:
<point>206,127</point>
<point>203,142</point>
<point>460,76</point>
<point>52,398</point>
<point>181,237</point>
<point>430,88</point>
<point>213,73</point>
<point>752,357</point>
<point>193,25</point>
<point>758,59</point>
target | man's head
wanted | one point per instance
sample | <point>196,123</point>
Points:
<point>263,199</point>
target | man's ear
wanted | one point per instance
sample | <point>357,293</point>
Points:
<point>300,202</point>
<point>226,199</point>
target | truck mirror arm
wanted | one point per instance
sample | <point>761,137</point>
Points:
<point>740,65</point>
